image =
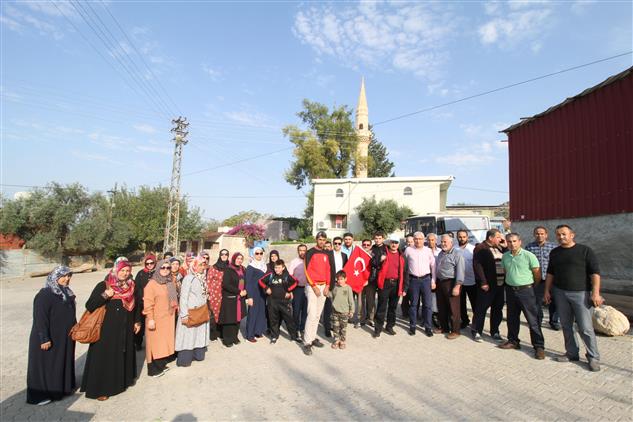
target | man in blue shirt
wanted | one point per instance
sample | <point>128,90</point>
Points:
<point>542,248</point>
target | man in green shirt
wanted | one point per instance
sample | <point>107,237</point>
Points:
<point>522,271</point>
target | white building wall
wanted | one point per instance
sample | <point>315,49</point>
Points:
<point>428,196</point>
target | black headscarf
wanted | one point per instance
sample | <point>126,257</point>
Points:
<point>271,264</point>
<point>222,265</point>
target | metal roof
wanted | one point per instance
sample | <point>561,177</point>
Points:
<point>587,91</point>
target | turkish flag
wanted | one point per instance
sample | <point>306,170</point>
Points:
<point>357,269</point>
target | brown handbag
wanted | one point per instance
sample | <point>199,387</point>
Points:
<point>88,329</point>
<point>198,316</point>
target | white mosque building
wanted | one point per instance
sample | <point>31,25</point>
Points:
<point>335,200</point>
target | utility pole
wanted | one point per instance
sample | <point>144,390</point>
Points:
<point>173,210</point>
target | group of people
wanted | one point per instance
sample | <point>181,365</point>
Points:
<point>433,283</point>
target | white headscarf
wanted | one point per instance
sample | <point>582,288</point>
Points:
<point>261,264</point>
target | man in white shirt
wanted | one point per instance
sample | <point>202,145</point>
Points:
<point>469,288</point>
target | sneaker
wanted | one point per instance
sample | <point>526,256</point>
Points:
<point>370,323</point>
<point>509,345</point>
<point>166,369</point>
<point>565,358</point>
<point>539,353</point>
<point>497,337</point>
<point>390,331</point>
<point>317,343</point>
<point>452,336</point>
<point>356,324</point>
<point>594,365</point>
<point>273,340</point>
<point>160,374</point>
<point>428,332</point>
<point>44,402</point>
<point>307,349</point>
<point>476,336</point>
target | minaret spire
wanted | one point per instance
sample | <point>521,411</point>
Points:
<point>362,131</point>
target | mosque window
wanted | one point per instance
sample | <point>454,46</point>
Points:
<point>360,126</point>
<point>339,193</point>
<point>408,191</point>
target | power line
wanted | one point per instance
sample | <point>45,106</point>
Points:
<point>481,94</point>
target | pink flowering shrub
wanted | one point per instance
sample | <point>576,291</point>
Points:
<point>250,232</point>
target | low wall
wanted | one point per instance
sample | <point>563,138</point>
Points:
<point>611,238</point>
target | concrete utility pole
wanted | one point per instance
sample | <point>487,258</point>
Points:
<point>173,211</point>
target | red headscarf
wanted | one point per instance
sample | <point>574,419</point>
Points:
<point>149,257</point>
<point>123,290</point>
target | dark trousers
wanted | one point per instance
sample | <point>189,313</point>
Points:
<point>448,306</point>
<point>523,300</point>
<point>539,291</point>
<point>229,334</point>
<point>369,299</point>
<point>493,299</point>
<point>138,337</point>
<point>420,288</point>
<point>300,307</point>
<point>157,366</point>
<point>214,328</point>
<point>281,310</point>
<point>387,303</point>
<point>327,316</point>
<point>185,357</point>
<point>471,292</point>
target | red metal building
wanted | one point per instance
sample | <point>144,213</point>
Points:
<point>575,159</point>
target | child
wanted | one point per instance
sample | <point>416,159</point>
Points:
<point>342,309</point>
<point>278,285</point>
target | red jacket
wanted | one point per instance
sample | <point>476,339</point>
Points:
<point>383,272</point>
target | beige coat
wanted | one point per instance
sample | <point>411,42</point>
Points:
<point>159,342</point>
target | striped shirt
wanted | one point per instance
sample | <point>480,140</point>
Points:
<point>542,254</point>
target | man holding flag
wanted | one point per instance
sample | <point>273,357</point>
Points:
<point>390,284</point>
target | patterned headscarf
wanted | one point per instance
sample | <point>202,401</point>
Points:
<point>168,281</point>
<point>261,264</point>
<point>51,282</point>
<point>197,262</point>
<point>123,290</point>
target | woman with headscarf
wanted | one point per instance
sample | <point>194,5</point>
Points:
<point>233,308</point>
<point>184,266</point>
<point>256,319</point>
<point>273,256</point>
<point>51,368</point>
<point>176,273</point>
<point>161,305</point>
<point>214,284</point>
<point>111,361</point>
<point>141,280</point>
<point>191,342</point>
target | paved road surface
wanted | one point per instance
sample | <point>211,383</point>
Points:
<point>401,377</point>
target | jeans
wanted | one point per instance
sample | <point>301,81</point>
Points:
<point>300,307</point>
<point>576,306</point>
<point>553,315</point>
<point>420,287</point>
<point>523,301</point>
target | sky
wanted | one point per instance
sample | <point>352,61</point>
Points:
<point>88,90</point>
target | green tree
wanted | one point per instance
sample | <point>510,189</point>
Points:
<point>385,215</point>
<point>378,164</point>
<point>242,217</point>
<point>327,148</point>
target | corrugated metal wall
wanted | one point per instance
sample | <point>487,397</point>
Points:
<point>576,161</point>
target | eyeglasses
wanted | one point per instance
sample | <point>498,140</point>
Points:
<point>366,244</point>
<point>259,253</point>
<point>206,258</point>
<point>337,243</point>
<point>165,268</point>
<point>150,263</point>
<point>224,254</point>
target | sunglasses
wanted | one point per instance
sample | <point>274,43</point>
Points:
<point>259,253</point>
<point>165,268</point>
<point>150,263</point>
<point>337,243</point>
<point>206,258</point>
<point>366,244</point>
<point>224,254</point>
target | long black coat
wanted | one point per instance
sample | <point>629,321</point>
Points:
<point>231,298</point>
<point>51,373</point>
<point>111,361</point>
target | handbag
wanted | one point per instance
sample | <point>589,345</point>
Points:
<point>198,316</point>
<point>88,329</point>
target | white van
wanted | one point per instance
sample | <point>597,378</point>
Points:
<point>475,225</point>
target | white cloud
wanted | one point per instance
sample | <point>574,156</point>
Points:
<point>520,22</point>
<point>145,128</point>
<point>214,74</point>
<point>249,118</point>
<point>474,156</point>
<point>17,18</point>
<point>11,24</point>
<point>390,36</point>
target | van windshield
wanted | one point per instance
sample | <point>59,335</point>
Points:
<point>468,223</point>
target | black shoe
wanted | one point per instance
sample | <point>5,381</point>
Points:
<point>554,326</point>
<point>237,341</point>
<point>317,343</point>
<point>273,340</point>
<point>411,331</point>
<point>376,334</point>
<point>298,339</point>
<point>228,345</point>
<point>362,324</point>
<point>436,321</point>
<point>307,349</point>
<point>370,323</point>
<point>428,332</point>
<point>390,331</point>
